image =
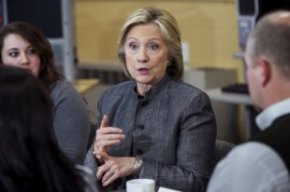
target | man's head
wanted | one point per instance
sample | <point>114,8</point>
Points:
<point>267,56</point>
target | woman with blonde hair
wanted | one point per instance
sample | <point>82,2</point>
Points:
<point>153,126</point>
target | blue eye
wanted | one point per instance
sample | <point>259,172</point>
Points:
<point>154,47</point>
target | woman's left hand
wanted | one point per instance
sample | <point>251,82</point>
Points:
<point>114,167</point>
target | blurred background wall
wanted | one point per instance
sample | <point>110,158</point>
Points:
<point>209,27</point>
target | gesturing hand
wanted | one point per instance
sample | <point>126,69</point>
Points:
<point>105,137</point>
<point>114,167</point>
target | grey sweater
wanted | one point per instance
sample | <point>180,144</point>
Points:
<point>173,128</point>
<point>70,121</point>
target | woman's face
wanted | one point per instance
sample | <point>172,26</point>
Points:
<point>146,54</point>
<point>20,53</point>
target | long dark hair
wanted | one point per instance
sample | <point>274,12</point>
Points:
<point>48,73</point>
<point>30,158</point>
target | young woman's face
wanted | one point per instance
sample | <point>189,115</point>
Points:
<point>20,53</point>
<point>146,54</point>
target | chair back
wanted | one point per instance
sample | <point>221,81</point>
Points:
<point>222,148</point>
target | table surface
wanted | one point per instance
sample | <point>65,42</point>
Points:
<point>84,85</point>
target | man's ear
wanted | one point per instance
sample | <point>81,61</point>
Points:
<point>264,70</point>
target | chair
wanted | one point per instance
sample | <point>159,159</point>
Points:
<point>222,148</point>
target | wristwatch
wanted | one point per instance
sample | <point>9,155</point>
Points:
<point>138,163</point>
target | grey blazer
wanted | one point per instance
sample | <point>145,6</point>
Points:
<point>172,127</point>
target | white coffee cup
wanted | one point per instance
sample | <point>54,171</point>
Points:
<point>140,185</point>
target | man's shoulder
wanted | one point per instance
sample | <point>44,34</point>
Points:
<point>251,166</point>
<point>253,152</point>
<point>256,161</point>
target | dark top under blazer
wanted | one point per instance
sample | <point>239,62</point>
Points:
<point>172,127</point>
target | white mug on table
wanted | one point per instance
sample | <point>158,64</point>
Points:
<point>140,185</point>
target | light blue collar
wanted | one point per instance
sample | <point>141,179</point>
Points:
<point>266,118</point>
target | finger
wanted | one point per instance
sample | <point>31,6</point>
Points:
<point>101,155</point>
<point>97,154</point>
<point>105,156</point>
<point>105,121</point>
<point>109,130</point>
<point>107,175</point>
<point>110,179</point>
<point>103,145</point>
<point>104,141</point>
<point>106,136</point>
<point>110,176</point>
<point>110,136</point>
<point>101,171</point>
<point>109,139</point>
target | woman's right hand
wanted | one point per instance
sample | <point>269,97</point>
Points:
<point>105,137</point>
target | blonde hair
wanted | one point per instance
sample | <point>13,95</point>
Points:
<point>169,32</point>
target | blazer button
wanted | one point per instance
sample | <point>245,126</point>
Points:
<point>144,103</point>
<point>141,127</point>
<point>139,151</point>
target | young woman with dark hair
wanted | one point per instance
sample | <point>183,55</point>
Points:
<point>23,45</point>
